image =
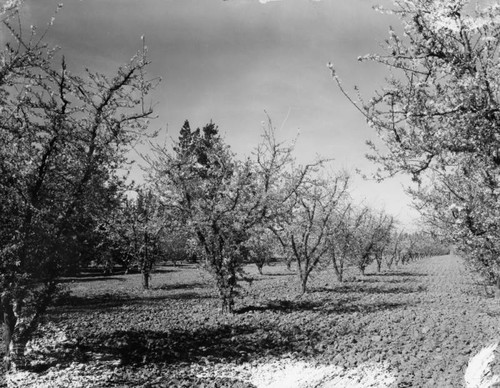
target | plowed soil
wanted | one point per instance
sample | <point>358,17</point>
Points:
<point>420,323</point>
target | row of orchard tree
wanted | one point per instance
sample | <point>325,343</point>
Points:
<point>439,119</point>
<point>232,212</point>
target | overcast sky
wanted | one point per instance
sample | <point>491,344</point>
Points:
<point>232,61</point>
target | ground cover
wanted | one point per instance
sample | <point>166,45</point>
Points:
<point>416,325</point>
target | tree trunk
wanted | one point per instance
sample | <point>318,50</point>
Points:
<point>338,267</point>
<point>379,265</point>
<point>303,282</point>
<point>15,342</point>
<point>226,284</point>
<point>16,358</point>
<point>8,325</point>
<point>259,268</point>
<point>227,304</point>
<point>146,276</point>
<point>227,299</point>
<point>339,272</point>
<point>389,262</point>
<point>497,290</point>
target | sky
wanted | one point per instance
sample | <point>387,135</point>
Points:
<point>236,62</point>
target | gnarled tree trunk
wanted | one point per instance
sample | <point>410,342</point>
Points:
<point>8,324</point>
<point>15,339</point>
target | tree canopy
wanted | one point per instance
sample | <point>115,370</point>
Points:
<point>438,116</point>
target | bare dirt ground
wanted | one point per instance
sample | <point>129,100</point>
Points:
<point>414,326</point>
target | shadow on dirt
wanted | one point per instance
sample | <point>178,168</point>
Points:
<point>92,278</point>
<point>374,280</point>
<point>396,273</point>
<point>277,274</point>
<point>369,289</point>
<point>284,306</point>
<point>75,304</point>
<point>324,306</point>
<point>181,286</point>
<point>224,343</point>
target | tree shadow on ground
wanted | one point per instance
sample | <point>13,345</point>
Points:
<point>277,274</point>
<point>350,308</point>
<point>104,302</point>
<point>286,306</point>
<point>225,343</point>
<point>181,286</point>
<point>372,279</point>
<point>397,273</point>
<point>217,344</point>
<point>91,278</point>
<point>368,289</point>
<point>324,306</point>
<point>269,276</point>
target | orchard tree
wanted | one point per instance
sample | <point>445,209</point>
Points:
<point>438,117</point>
<point>210,192</point>
<point>341,239</point>
<point>62,139</point>
<point>202,184</point>
<point>383,234</point>
<point>261,246</point>
<point>305,233</point>
<point>371,237</point>
<point>394,250</point>
<point>136,230</point>
<point>175,244</point>
<point>409,247</point>
<point>222,201</point>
